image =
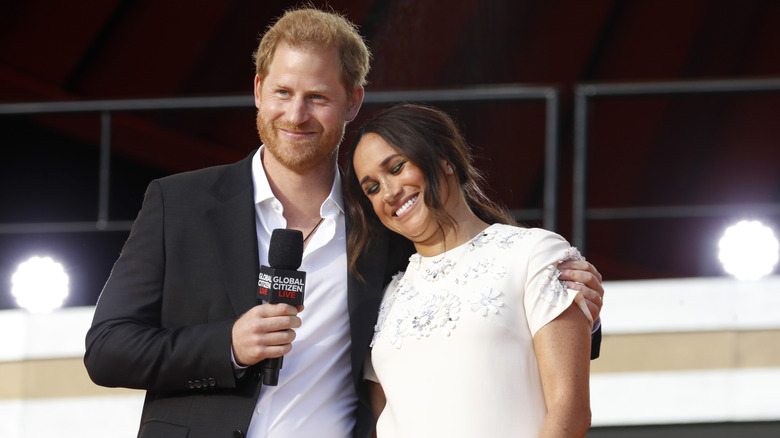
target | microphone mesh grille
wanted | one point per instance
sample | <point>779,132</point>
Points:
<point>286,249</point>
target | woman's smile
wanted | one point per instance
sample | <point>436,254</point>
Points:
<point>407,205</point>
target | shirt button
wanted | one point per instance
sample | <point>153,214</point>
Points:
<point>259,409</point>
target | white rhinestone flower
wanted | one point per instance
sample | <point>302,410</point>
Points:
<point>481,239</point>
<point>486,301</point>
<point>404,291</point>
<point>506,241</point>
<point>474,270</point>
<point>553,289</point>
<point>415,260</point>
<point>439,269</point>
<point>447,312</point>
<point>395,330</point>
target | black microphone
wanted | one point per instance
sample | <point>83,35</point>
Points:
<point>281,282</point>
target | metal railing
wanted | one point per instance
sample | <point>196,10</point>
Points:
<point>584,94</point>
<point>549,95</point>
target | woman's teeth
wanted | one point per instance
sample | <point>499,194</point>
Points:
<point>406,206</point>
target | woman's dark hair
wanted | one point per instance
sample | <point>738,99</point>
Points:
<point>424,136</point>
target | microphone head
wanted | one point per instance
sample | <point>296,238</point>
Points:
<point>286,249</point>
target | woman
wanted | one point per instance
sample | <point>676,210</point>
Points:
<point>477,337</point>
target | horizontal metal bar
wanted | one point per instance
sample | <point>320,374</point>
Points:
<point>64,227</point>
<point>247,101</point>
<point>723,210</point>
<point>456,94</point>
<point>462,94</point>
<point>127,105</point>
<point>681,87</point>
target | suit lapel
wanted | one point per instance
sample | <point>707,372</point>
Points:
<point>232,225</point>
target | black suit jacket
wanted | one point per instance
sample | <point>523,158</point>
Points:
<point>187,271</point>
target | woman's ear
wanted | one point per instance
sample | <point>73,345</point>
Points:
<point>448,169</point>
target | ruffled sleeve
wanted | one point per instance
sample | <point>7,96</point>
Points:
<point>546,296</point>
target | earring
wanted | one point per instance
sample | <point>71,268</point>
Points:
<point>449,169</point>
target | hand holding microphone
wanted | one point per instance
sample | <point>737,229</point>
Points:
<point>266,331</point>
<point>281,282</point>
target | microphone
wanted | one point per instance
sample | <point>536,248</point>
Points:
<point>281,282</point>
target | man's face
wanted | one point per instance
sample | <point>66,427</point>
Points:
<point>303,107</point>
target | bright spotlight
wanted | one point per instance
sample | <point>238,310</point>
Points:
<point>40,285</point>
<point>748,250</point>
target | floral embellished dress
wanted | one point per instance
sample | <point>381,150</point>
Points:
<point>453,345</point>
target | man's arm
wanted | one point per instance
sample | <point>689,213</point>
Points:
<point>127,344</point>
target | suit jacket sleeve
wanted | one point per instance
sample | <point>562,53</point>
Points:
<point>140,336</point>
<point>595,343</point>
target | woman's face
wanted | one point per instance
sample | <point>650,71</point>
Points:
<point>395,187</point>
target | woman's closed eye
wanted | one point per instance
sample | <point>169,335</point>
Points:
<point>397,168</point>
<point>371,189</point>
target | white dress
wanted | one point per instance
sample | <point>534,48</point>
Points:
<point>453,345</point>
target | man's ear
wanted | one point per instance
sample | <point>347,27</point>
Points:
<point>355,101</point>
<point>258,91</point>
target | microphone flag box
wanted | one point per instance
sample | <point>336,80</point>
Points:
<point>281,286</point>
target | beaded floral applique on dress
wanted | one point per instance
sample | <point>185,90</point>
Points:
<point>554,289</point>
<point>441,267</point>
<point>486,301</point>
<point>409,312</point>
<point>438,311</point>
<point>420,316</point>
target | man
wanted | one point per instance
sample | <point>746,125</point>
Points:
<point>178,316</point>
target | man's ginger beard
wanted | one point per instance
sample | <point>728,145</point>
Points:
<point>301,155</point>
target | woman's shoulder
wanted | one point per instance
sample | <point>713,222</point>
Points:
<point>524,233</point>
<point>526,242</point>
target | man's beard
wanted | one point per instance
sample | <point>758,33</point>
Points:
<point>301,155</point>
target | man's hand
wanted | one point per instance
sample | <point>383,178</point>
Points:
<point>264,331</point>
<point>582,276</point>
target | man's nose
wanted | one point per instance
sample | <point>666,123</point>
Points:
<point>298,111</point>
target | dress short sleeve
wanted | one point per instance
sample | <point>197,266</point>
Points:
<point>546,296</point>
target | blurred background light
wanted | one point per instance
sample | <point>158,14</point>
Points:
<point>748,250</point>
<point>40,285</point>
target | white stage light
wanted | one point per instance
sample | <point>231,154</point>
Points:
<point>748,250</point>
<point>40,285</point>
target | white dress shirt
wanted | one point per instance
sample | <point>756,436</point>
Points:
<point>315,396</point>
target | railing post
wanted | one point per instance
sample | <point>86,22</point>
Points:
<point>105,170</point>
<point>551,162</point>
<point>580,176</point>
